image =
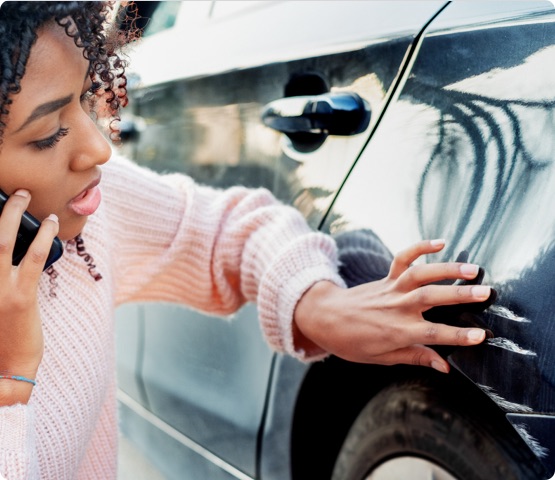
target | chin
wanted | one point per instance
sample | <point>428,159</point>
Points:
<point>68,236</point>
<point>69,231</point>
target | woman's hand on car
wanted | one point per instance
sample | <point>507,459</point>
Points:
<point>21,338</point>
<point>382,322</point>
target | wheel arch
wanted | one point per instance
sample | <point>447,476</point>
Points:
<point>334,392</point>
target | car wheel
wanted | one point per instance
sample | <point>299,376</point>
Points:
<point>413,431</point>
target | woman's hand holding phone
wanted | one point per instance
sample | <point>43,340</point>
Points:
<point>21,337</point>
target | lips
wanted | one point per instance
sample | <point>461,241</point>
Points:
<point>88,201</point>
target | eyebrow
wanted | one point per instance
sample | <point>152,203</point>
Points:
<point>46,109</point>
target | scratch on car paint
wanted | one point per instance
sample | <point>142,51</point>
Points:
<point>507,344</point>
<point>507,314</point>
<point>504,404</point>
<point>534,445</point>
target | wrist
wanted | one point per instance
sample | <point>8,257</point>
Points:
<point>14,391</point>
<point>310,315</point>
<point>17,387</point>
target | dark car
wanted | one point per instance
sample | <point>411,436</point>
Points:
<point>384,123</point>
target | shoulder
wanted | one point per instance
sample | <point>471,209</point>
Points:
<point>137,196</point>
<point>119,168</point>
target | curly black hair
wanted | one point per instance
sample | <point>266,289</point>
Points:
<point>87,23</point>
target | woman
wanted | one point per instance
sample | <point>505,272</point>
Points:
<point>152,238</point>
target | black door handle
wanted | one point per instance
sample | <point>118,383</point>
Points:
<point>341,113</point>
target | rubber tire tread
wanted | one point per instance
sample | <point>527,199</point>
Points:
<point>415,419</point>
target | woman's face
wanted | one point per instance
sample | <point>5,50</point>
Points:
<point>51,147</point>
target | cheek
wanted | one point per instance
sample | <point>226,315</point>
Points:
<point>43,205</point>
<point>21,167</point>
<point>43,177</point>
<point>46,175</point>
<point>13,171</point>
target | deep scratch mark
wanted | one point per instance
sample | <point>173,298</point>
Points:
<point>509,345</point>
<point>504,404</point>
<point>534,445</point>
<point>507,314</point>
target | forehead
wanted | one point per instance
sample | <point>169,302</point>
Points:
<point>55,67</point>
<point>54,53</point>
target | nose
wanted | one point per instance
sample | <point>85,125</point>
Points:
<point>91,148</point>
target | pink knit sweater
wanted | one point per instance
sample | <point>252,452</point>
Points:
<point>154,238</point>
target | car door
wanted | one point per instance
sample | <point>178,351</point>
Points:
<point>198,110</point>
<point>466,153</point>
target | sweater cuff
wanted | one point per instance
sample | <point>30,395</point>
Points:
<point>16,425</point>
<point>310,259</point>
<point>17,455</point>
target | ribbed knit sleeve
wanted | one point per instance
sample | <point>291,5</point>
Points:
<point>18,459</point>
<point>213,250</point>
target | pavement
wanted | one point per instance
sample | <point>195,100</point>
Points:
<point>132,465</point>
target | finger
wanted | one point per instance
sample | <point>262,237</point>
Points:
<point>419,275</point>
<point>10,219</point>
<point>419,355</point>
<point>403,260</point>
<point>430,296</point>
<point>428,333</point>
<point>34,260</point>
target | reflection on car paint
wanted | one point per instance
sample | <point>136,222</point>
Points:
<point>210,127</point>
<point>472,144</point>
<point>491,146</point>
<point>465,154</point>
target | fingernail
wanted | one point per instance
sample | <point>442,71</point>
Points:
<point>468,269</point>
<point>439,366</point>
<point>21,193</point>
<point>52,217</point>
<point>437,242</point>
<point>481,292</point>
<point>476,336</point>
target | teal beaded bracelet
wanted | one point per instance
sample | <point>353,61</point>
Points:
<point>19,378</point>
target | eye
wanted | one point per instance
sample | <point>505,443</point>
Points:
<point>50,142</point>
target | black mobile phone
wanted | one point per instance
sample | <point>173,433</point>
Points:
<point>25,235</point>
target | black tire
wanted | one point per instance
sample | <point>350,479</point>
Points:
<point>415,420</point>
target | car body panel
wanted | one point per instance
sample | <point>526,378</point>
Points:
<point>208,125</point>
<point>275,441</point>
<point>449,131</point>
<point>206,377</point>
<point>230,35</point>
<point>466,154</point>
<point>539,433</point>
<point>129,333</point>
